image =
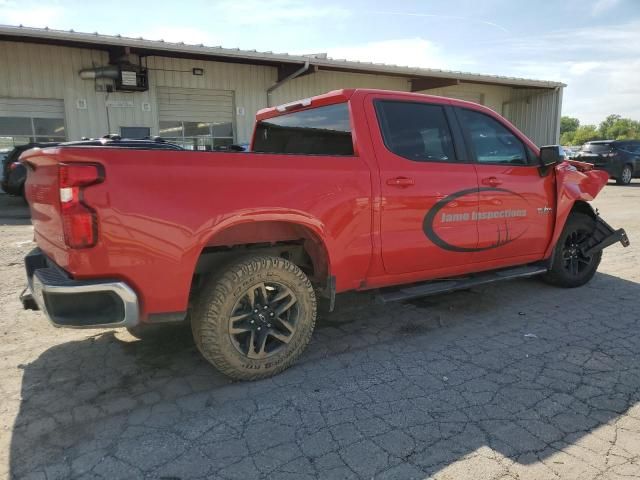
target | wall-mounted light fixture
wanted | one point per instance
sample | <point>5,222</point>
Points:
<point>198,71</point>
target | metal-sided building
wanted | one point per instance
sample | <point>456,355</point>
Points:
<point>64,85</point>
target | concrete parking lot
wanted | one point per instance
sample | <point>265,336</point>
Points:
<point>512,381</point>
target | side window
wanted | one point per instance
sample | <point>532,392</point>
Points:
<point>416,131</point>
<point>316,131</point>
<point>490,140</point>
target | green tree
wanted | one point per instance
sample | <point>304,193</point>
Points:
<point>584,134</point>
<point>567,138</point>
<point>618,128</point>
<point>568,124</point>
<point>605,125</point>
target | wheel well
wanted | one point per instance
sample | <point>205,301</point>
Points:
<point>294,242</point>
<point>583,207</point>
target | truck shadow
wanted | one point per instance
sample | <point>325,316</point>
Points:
<point>522,368</point>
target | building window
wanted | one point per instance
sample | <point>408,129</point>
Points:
<point>197,135</point>
<point>21,130</point>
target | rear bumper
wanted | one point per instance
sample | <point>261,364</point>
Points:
<point>74,303</point>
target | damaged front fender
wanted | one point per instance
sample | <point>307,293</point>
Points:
<point>579,182</point>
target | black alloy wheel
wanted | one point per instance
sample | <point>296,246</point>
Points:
<point>574,261</point>
<point>264,320</point>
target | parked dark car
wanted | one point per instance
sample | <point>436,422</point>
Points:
<point>619,158</point>
<point>14,173</point>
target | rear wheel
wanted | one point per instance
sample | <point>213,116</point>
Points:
<point>625,175</point>
<point>570,267</point>
<point>255,319</point>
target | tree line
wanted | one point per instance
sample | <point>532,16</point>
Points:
<point>614,127</point>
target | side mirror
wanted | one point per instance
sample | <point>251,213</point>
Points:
<point>551,154</point>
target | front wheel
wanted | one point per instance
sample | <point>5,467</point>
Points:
<point>255,319</point>
<point>625,175</point>
<point>570,268</point>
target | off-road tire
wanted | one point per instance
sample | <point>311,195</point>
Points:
<point>559,274</point>
<point>218,300</point>
<point>625,175</point>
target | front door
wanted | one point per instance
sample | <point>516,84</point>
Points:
<point>516,203</point>
<point>428,191</point>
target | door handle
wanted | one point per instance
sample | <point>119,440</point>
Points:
<point>401,182</point>
<point>491,181</point>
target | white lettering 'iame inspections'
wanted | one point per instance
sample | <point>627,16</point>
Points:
<point>464,217</point>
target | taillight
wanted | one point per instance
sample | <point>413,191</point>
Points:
<point>79,220</point>
<point>13,166</point>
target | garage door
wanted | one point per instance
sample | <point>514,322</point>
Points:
<point>197,119</point>
<point>24,120</point>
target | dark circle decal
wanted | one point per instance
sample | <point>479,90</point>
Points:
<point>503,233</point>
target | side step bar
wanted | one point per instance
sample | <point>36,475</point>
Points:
<point>434,287</point>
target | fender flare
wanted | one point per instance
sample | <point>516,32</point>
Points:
<point>308,222</point>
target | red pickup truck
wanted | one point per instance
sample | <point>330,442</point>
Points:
<point>352,190</point>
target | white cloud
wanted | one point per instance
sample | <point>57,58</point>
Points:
<point>12,13</point>
<point>599,64</point>
<point>594,89</point>
<point>193,36</point>
<point>602,6</point>
<point>412,52</point>
<point>580,68</point>
<point>256,12</point>
<point>446,17</point>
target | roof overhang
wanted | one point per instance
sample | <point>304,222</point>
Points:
<point>419,77</point>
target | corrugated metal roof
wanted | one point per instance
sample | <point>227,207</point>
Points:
<point>70,36</point>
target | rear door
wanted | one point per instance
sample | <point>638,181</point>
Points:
<point>516,203</point>
<point>428,189</point>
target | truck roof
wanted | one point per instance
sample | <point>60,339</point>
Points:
<point>343,95</point>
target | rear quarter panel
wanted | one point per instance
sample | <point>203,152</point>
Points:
<point>158,209</point>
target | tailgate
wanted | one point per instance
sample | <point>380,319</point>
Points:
<point>42,193</point>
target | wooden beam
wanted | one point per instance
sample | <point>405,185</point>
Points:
<point>427,83</point>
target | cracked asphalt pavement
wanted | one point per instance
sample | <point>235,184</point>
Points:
<point>518,380</point>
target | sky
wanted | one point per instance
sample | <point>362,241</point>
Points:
<point>591,45</point>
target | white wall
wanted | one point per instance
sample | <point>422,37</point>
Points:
<point>493,96</point>
<point>250,83</point>
<point>46,71</point>
<point>537,113</point>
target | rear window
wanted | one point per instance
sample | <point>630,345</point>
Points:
<point>317,131</point>
<point>596,147</point>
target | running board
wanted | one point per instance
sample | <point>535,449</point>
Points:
<point>434,287</point>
